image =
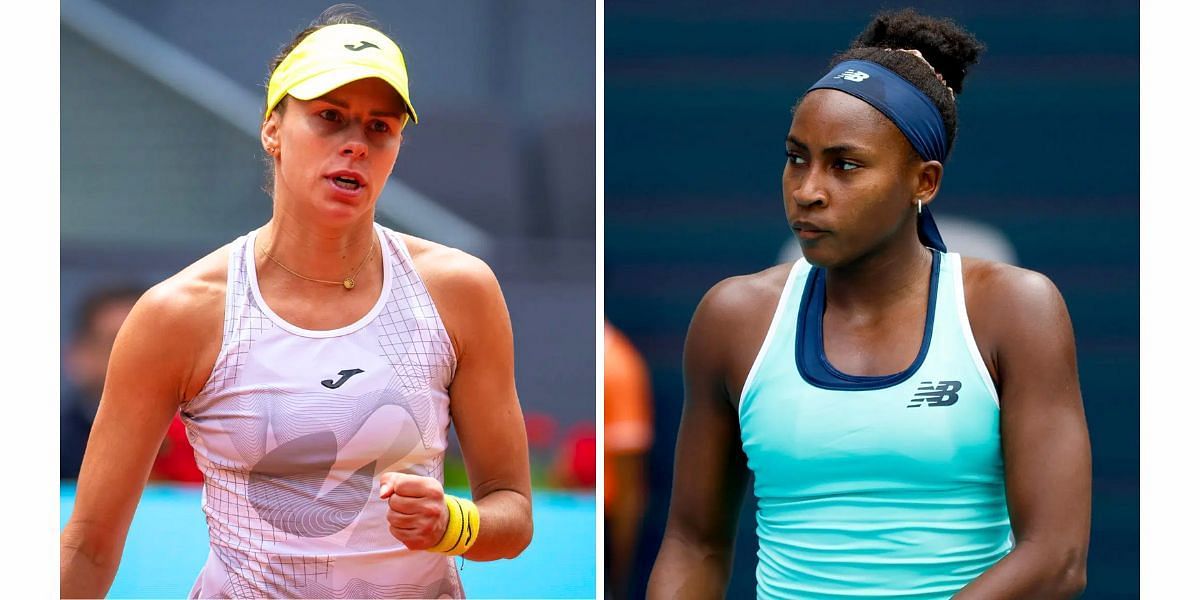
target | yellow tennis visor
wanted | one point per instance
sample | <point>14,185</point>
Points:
<point>333,56</point>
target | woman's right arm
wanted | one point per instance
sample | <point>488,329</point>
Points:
<point>710,469</point>
<point>148,374</point>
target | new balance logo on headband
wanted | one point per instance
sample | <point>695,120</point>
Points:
<point>363,45</point>
<point>944,393</point>
<point>852,75</point>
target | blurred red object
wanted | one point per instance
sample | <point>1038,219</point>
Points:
<point>540,428</point>
<point>176,460</point>
<point>576,465</point>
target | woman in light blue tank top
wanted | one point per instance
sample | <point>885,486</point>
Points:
<point>912,418</point>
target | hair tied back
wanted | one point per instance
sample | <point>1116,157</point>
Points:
<point>917,53</point>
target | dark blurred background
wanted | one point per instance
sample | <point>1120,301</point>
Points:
<point>697,101</point>
<point>161,162</point>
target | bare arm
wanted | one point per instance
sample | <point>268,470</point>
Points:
<point>1047,455</point>
<point>148,375</point>
<point>710,468</point>
<point>484,405</point>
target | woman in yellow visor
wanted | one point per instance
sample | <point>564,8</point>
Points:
<point>318,363</point>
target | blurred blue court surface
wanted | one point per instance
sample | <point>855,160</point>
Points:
<point>168,543</point>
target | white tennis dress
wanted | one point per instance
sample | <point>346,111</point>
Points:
<point>293,429</point>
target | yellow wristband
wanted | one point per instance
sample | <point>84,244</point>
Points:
<point>462,529</point>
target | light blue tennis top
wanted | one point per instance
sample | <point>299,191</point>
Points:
<point>873,487</point>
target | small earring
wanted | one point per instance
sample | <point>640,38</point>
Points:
<point>918,206</point>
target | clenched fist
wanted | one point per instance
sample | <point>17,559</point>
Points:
<point>417,512</point>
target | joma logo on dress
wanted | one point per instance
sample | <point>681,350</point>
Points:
<point>944,393</point>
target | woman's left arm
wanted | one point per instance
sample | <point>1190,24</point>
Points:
<point>484,405</point>
<point>1047,455</point>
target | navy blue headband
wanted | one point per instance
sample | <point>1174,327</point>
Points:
<point>908,107</point>
<point>900,101</point>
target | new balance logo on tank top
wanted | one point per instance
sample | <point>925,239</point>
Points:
<point>293,429</point>
<point>882,487</point>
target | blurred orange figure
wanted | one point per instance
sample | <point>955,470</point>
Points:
<point>628,432</point>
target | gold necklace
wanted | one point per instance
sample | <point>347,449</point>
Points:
<point>347,283</point>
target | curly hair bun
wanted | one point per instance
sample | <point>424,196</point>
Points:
<point>949,48</point>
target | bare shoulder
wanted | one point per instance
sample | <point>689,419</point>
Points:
<point>466,293</point>
<point>729,327</point>
<point>450,271</point>
<point>180,321</point>
<point>736,299</point>
<point>1009,291</point>
<point>191,294</point>
<point>1013,309</point>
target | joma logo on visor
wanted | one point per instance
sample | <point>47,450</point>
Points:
<point>363,45</point>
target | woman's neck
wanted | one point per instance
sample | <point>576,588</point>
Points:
<point>877,280</point>
<point>316,251</point>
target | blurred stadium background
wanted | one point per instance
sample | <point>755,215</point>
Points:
<point>161,163</point>
<point>697,105</point>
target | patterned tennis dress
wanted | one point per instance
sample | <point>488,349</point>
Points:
<point>293,429</point>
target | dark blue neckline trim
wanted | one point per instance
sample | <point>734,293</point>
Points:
<point>811,361</point>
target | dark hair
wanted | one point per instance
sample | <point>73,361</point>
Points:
<point>100,298</point>
<point>949,48</point>
<point>338,14</point>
